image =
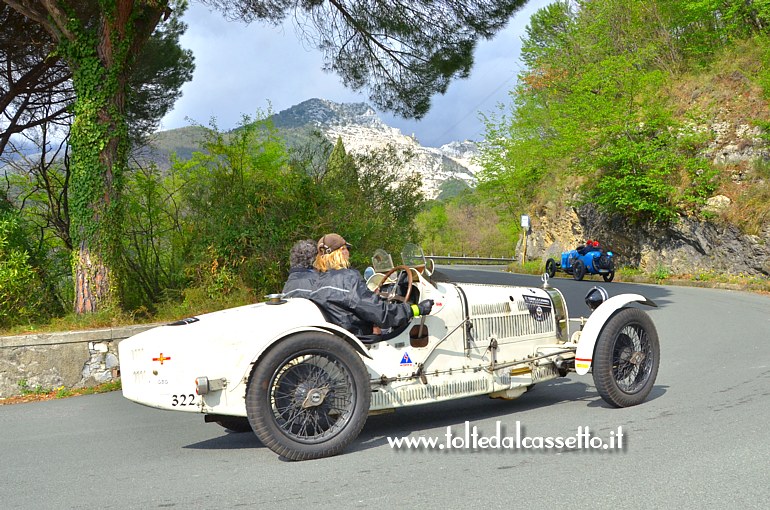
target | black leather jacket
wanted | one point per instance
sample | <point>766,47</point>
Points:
<point>344,297</point>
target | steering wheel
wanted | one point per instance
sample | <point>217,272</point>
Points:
<point>392,296</point>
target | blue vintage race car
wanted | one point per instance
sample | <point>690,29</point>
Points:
<point>587,259</point>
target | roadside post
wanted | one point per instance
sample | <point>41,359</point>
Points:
<point>525,226</point>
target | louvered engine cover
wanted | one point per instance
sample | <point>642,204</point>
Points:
<point>509,314</point>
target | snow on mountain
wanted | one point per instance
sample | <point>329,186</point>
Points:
<point>360,129</point>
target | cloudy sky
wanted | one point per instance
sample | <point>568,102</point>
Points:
<point>242,69</point>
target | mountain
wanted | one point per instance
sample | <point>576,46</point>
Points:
<point>360,129</point>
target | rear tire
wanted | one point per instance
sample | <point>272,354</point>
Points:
<point>550,268</point>
<point>608,276</point>
<point>626,358</point>
<point>309,396</point>
<point>578,270</point>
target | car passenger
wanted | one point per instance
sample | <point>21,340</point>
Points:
<point>590,245</point>
<point>348,302</point>
<point>302,276</point>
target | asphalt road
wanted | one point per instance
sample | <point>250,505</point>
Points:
<point>700,441</point>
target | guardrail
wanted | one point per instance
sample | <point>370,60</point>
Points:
<point>467,258</point>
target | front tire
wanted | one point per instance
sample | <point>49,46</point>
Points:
<point>550,268</point>
<point>626,358</point>
<point>309,396</point>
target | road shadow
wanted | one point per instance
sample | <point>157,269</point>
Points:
<point>229,440</point>
<point>420,419</point>
<point>656,392</point>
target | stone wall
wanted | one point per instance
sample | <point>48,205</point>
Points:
<point>53,360</point>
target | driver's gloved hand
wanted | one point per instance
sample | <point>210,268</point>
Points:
<point>423,308</point>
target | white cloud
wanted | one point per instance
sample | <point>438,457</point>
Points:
<point>241,69</point>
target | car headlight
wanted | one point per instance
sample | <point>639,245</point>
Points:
<point>559,310</point>
<point>595,297</point>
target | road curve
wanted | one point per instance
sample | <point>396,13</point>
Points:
<point>700,441</point>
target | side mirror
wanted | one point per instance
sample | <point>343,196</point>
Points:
<point>595,297</point>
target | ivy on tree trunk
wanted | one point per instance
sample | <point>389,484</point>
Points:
<point>98,140</point>
<point>99,40</point>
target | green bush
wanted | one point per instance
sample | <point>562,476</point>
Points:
<point>661,273</point>
<point>21,291</point>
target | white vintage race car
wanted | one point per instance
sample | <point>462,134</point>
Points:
<point>305,386</point>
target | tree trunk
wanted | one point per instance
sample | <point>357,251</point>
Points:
<point>98,161</point>
<point>101,65</point>
<point>92,282</point>
<point>99,41</point>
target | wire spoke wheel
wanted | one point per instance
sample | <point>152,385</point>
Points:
<point>312,397</point>
<point>308,397</point>
<point>632,358</point>
<point>626,358</point>
<point>578,270</point>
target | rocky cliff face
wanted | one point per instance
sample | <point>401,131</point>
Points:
<point>687,247</point>
<point>361,130</point>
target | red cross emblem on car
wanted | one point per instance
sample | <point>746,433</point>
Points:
<point>162,358</point>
